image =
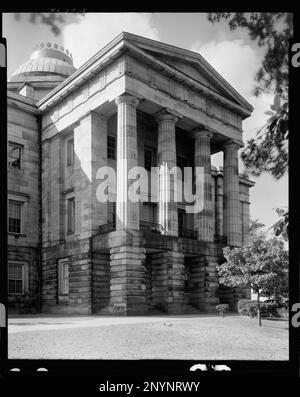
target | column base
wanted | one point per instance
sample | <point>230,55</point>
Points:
<point>204,283</point>
<point>168,282</point>
<point>127,281</point>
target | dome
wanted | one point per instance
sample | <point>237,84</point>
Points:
<point>45,63</point>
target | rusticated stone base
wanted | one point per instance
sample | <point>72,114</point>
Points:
<point>204,283</point>
<point>231,296</point>
<point>168,281</point>
<point>127,281</point>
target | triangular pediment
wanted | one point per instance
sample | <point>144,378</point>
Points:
<point>190,64</point>
<point>191,70</point>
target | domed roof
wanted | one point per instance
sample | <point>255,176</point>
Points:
<point>46,60</point>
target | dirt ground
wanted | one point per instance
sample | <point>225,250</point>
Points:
<point>189,337</point>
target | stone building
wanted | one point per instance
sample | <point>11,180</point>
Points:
<point>137,102</point>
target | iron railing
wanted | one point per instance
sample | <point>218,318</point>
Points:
<point>187,233</point>
<point>150,227</point>
<point>107,228</point>
<point>219,238</point>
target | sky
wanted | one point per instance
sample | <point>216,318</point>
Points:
<point>232,54</point>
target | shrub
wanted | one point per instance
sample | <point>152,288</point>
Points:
<point>223,308</point>
<point>249,308</point>
<point>27,304</point>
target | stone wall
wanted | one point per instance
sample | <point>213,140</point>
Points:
<point>101,281</point>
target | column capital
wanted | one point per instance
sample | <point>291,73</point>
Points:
<point>127,99</point>
<point>165,115</point>
<point>231,145</point>
<point>198,132</point>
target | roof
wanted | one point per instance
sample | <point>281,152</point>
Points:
<point>47,59</point>
<point>160,56</point>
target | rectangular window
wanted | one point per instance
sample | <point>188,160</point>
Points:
<point>70,152</point>
<point>16,278</point>
<point>148,156</point>
<point>14,155</point>
<point>111,147</point>
<point>63,280</point>
<point>149,212</point>
<point>71,215</point>
<point>14,216</point>
<point>181,163</point>
<point>111,212</point>
<point>181,219</point>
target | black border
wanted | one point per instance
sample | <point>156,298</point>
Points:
<point>150,370</point>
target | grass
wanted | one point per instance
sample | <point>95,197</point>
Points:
<point>158,337</point>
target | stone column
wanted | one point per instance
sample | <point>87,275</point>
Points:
<point>232,220</point>
<point>166,153</point>
<point>219,205</point>
<point>204,220</point>
<point>127,212</point>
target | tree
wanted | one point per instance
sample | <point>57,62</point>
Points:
<point>268,151</point>
<point>272,31</point>
<point>259,264</point>
<point>254,226</point>
<point>52,19</point>
<point>281,227</point>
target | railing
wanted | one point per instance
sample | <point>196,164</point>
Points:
<point>187,233</point>
<point>107,228</point>
<point>150,227</point>
<point>219,238</point>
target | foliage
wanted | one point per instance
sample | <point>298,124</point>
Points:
<point>268,152</point>
<point>254,226</point>
<point>249,308</point>
<point>281,227</point>
<point>27,303</point>
<point>260,264</point>
<point>52,19</point>
<point>272,31</point>
<point>223,308</point>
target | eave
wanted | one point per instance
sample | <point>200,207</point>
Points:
<point>126,43</point>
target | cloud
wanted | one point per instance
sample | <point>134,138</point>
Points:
<point>238,62</point>
<point>93,31</point>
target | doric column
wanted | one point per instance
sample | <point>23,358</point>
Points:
<point>232,220</point>
<point>204,220</point>
<point>127,212</point>
<point>166,151</point>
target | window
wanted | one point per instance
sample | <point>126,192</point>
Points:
<point>149,212</point>
<point>181,219</point>
<point>15,217</point>
<point>63,278</point>
<point>181,163</point>
<point>111,212</point>
<point>70,152</point>
<point>148,155</point>
<point>16,278</point>
<point>71,215</point>
<point>111,147</point>
<point>14,155</point>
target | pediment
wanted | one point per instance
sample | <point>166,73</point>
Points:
<point>190,64</point>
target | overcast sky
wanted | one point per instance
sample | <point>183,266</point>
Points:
<point>232,54</point>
